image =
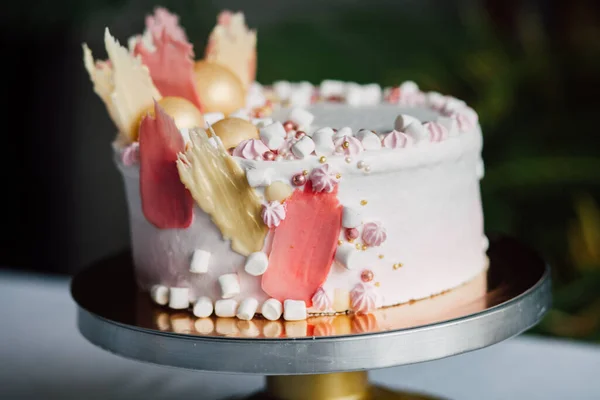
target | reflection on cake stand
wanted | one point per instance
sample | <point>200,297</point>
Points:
<point>323,357</point>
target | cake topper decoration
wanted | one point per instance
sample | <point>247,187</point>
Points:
<point>220,188</point>
<point>171,66</point>
<point>166,203</point>
<point>124,85</point>
<point>303,245</point>
<point>233,45</point>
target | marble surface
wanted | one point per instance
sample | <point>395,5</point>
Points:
<point>42,355</point>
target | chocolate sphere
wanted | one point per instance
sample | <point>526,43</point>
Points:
<point>220,89</point>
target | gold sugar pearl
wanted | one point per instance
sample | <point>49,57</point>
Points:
<point>363,202</point>
<point>338,176</point>
<point>348,160</point>
<point>365,247</point>
<point>358,246</point>
<point>323,159</point>
<point>377,284</point>
<point>305,172</point>
<point>381,256</point>
<point>346,144</point>
<point>397,265</point>
<point>340,242</point>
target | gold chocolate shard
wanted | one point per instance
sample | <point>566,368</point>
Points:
<point>220,188</point>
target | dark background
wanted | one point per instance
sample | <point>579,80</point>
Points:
<point>530,69</point>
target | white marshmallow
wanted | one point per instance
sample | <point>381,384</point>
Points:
<point>262,122</point>
<point>160,294</point>
<point>345,255</point>
<point>294,310</point>
<point>200,260</point>
<point>417,131</point>
<point>351,218</point>
<point>303,147</point>
<point>226,308</point>
<point>402,121</point>
<point>283,89</point>
<point>255,97</point>
<point>345,131</point>
<point>212,117</point>
<point>272,309</point>
<point>230,285</point>
<point>409,87</point>
<point>485,243</point>
<point>273,135</point>
<point>256,263</point>
<point>369,140</point>
<point>453,104</point>
<point>300,98</point>
<point>305,86</point>
<point>203,307</point>
<point>331,88</point>
<point>204,325</point>
<point>259,177</point>
<point>301,117</point>
<point>354,95</point>
<point>178,298</point>
<point>372,94</point>
<point>247,309</point>
<point>241,113</point>
<point>323,139</point>
<point>435,100</point>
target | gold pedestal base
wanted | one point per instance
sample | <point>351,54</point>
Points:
<point>337,386</point>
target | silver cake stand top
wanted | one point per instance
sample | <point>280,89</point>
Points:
<point>509,298</point>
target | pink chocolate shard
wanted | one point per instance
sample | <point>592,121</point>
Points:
<point>164,20</point>
<point>171,66</point>
<point>303,245</point>
<point>166,203</point>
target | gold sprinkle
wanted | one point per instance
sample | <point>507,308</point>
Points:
<point>358,246</point>
<point>365,247</point>
<point>305,172</point>
<point>377,284</point>
<point>363,202</point>
<point>340,242</point>
<point>338,176</point>
<point>323,159</point>
<point>346,144</point>
<point>350,240</point>
<point>397,265</point>
<point>381,256</point>
<point>348,160</point>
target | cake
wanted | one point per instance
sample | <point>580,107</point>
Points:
<point>291,199</point>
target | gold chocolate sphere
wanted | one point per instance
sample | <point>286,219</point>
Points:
<point>220,89</point>
<point>232,131</point>
<point>184,112</point>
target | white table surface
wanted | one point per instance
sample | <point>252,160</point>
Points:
<point>43,356</point>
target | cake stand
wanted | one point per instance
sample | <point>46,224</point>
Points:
<point>323,357</point>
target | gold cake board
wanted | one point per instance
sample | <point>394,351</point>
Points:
<point>322,358</point>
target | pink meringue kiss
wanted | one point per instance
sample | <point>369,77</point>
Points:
<point>348,145</point>
<point>273,213</point>
<point>396,140</point>
<point>374,234</point>
<point>363,298</point>
<point>437,131</point>
<point>324,178</point>
<point>321,301</point>
<point>250,149</point>
<point>131,154</point>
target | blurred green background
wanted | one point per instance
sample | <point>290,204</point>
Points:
<point>529,68</point>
